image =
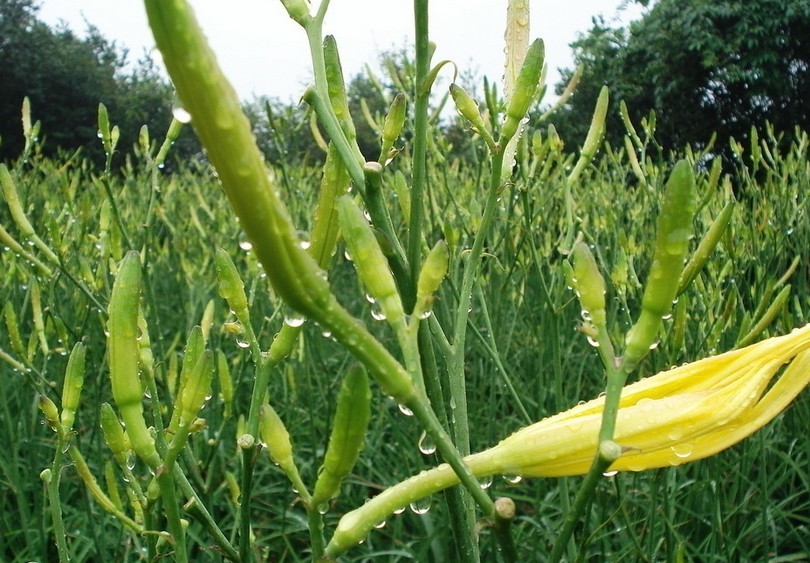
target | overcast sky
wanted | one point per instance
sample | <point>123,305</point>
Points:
<point>264,52</point>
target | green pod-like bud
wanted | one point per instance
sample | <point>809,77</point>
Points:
<point>325,228</point>
<point>371,265</point>
<point>595,134</point>
<point>430,277</point>
<point>706,247</point>
<point>196,390</point>
<point>589,285</point>
<point>348,434</point>
<point>298,10</point>
<point>276,437</point>
<point>50,410</point>
<point>225,384</point>
<point>226,134</point>
<point>124,352</point>
<point>468,108</point>
<point>72,387</point>
<point>392,126</point>
<point>671,245</point>
<point>525,90</point>
<point>36,310</point>
<point>231,287</point>
<point>337,89</point>
<point>13,328</point>
<point>117,440</point>
<point>192,354</point>
<point>104,129</point>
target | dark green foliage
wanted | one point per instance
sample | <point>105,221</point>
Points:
<point>66,77</point>
<point>704,67</point>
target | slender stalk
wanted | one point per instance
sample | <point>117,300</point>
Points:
<point>54,501</point>
<point>420,8</point>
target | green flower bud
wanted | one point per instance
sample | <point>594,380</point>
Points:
<point>225,384</point>
<point>298,10</point>
<point>348,434</point>
<point>468,108</point>
<point>196,390</point>
<point>50,411</point>
<point>124,353</point>
<point>371,265</point>
<point>104,128</point>
<point>430,277</point>
<point>72,388</point>
<point>594,137</point>
<point>117,440</point>
<point>275,435</point>
<point>671,246</point>
<point>525,90</point>
<point>393,124</point>
<point>231,288</point>
<point>706,247</point>
<point>13,328</point>
<point>589,284</point>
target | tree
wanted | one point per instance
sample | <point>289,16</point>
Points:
<point>703,67</point>
<point>66,77</point>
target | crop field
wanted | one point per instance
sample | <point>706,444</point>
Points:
<point>227,358</point>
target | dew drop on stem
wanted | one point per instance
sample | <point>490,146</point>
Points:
<point>426,444</point>
<point>421,506</point>
<point>405,410</point>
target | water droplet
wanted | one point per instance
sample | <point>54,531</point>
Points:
<point>512,479</point>
<point>654,345</point>
<point>421,506</point>
<point>242,343</point>
<point>245,245</point>
<point>666,317</point>
<point>399,510</point>
<point>130,461</point>
<point>294,320</point>
<point>377,314</point>
<point>426,444</point>
<point>326,333</point>
<point>380,525</point>
<point>586,315</point>
<point>346,255</point>
<point>609,473</point>
<point>323,508</point>
<point>683,450</point>
<point>593,342</point>
<point>181,115</point>
<point>405,410</point>
<point>370,299</point>
<point>485,482</point>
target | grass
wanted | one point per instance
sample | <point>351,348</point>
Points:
<point>525,358</point>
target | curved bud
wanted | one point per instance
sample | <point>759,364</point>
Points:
<point>348,434</point>
<point>124,352</point>
<point>72,387</point>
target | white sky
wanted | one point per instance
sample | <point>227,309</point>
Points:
<point>264,52</point>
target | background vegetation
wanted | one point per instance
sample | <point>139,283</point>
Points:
<point>749,503</point>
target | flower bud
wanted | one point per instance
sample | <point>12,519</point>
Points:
<point>348,434</point>
<point>72,388</point>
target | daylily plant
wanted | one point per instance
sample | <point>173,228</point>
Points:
<point>677,416</point>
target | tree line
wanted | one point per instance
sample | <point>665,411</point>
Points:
<point>706,68</point>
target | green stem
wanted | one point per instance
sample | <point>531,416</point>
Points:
<point>249,456</point>
<point>204,516</point>
<point>172,510</point>
<point>55,502</point>
<point>420,8</point>
<point>584,495</point>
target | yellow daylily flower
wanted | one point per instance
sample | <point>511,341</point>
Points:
<point>677,416</point>
<point>680,415</point>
